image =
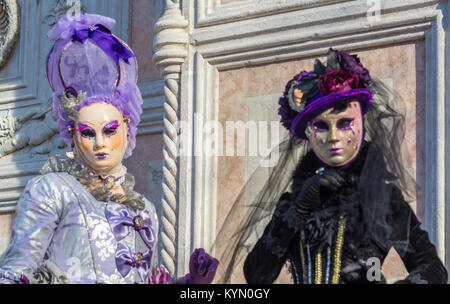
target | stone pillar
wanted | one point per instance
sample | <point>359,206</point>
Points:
<point>170,50</point>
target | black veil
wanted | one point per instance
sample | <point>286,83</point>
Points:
<point>382,171</point>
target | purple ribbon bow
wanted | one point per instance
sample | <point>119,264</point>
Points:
<point>105,40</point>
<point>122,223</point>
<point>125,260</point>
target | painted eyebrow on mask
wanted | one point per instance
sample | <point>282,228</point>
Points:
<point>85,130</point>
<point>110,129</point>
<point>82,126</point>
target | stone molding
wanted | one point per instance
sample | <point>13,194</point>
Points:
<point>9,29</point>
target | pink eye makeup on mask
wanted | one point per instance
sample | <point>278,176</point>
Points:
<point>85,131</point>
<point>110,129</point>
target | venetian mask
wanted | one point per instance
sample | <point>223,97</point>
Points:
<point>100,137</point>
<point>336,135</point>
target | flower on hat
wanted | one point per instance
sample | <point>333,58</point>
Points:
<point>353,64</point>
<point>343,72</point>
<point>334,81</point>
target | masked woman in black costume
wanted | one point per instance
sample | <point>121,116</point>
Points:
<point>347,205</point>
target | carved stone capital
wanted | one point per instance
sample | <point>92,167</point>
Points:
<point>9,28</point>
<point>170,39</point>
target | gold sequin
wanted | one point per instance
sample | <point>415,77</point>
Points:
<point>138,258</point>
<point>139,221</point>
<point>318,279</point>
<point>302,259</point>
<point>338,250</point>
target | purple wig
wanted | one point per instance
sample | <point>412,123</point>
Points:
<point>88,64</point>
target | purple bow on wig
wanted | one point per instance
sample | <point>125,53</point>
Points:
<point>106,41</point>
<point>122,223</point>
<point>125,260</point>
<point>98,28</point>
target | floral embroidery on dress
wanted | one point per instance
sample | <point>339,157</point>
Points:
<point>100,228</point>
<point>101,237</point>
<point>105,249</point>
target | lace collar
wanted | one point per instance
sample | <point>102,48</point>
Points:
<point>87,177</point>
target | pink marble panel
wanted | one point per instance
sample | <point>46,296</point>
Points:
<point>403,65</point>
<point>6,221</point>
<point>5,224</point>
<point>141,36</point>
<point>148,147</point>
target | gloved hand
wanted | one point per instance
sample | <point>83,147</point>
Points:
<point>202,268</point>
<point>309,198</point>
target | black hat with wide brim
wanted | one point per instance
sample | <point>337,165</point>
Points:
<point>315,107</point>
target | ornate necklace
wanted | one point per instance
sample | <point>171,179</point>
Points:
<point>114,180</point>
<point>307,275</point>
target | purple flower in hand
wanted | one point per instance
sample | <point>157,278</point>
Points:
<point>202,268</point>
<point>160,276</point>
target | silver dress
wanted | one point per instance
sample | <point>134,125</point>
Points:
<point>63,234</point>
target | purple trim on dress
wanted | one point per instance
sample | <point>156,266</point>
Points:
<point>364,96</point>
<point>122,223</point>
<point>126,259</point>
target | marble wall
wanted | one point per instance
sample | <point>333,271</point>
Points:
<point>148,147</point>
<point>400,65</point>
<point>141,38</point>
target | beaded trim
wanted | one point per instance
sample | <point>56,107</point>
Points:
<point>302,259</point>
<point>338,251</point>
<point>309,263</point>
<point>327,275</point>
<point>318,273</point>
<point>318,279</point>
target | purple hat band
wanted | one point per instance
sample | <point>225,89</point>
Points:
<point>364,96</point>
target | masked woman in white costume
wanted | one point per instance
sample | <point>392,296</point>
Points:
<point>80,221</point>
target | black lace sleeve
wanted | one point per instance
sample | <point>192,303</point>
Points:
<point>413,244</point>
<point>264,262</point>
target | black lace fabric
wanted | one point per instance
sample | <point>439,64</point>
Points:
<point>287,235</point>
